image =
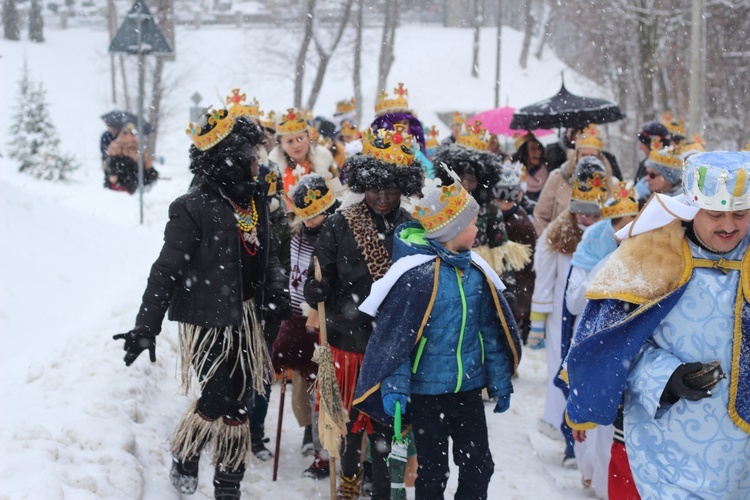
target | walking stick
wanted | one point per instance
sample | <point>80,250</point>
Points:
<point>278,427</point>
<point>332,414</point>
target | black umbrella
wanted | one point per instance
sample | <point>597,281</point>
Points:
<point>566,110</point>
<point>119,119</point>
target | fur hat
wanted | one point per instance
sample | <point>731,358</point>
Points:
<point>589,183</point>
<point>386,162</point>
<point>312,196</point>
<point>651,130</point>
<point>445,210</point>
<point>485,166</point>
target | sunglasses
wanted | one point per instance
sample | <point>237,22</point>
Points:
<point>653,175</point>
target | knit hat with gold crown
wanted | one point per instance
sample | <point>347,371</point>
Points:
<point>445,210</point>
<point>387,161</point>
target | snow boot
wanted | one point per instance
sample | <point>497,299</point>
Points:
<point>227,484</point>
<point>307,442</point>
<point>349,487</point>
<point>319,468</point>
<point>366,479</point>
<point>258,447</point>
<point>184,475</point>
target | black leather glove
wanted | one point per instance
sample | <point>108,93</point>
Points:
<point>280,306</point>
<point>137,341</point>
<point>317,291</point>
<point>679,387</point>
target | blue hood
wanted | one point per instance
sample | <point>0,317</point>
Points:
<point>598,241</point>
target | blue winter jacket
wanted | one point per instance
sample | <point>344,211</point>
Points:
<point>461,347</point>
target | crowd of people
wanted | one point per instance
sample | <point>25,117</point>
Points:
<point>439,263</point>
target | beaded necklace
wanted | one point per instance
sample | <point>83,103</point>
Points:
<point>247,222</point>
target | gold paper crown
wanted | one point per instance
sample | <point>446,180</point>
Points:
<point>453,200</point>
<point>291,122</point>
<point>474,137</point>
<point>432,138</point>
<point>694,145</point>
<point>590,137</point>
<point>520,139</point>
<point>398,104</point>
<point>458,118</point>
<point>674,126</point>
<point>349,131</point>
<point>239,108</point>
<point>269,121</point>
<point>666,157</point>
<point>221,123</point>
<point>624,203</point>
<point>594,190</point>
<point>317,203</point>
<point>396,145</point>
<point>345,106</point>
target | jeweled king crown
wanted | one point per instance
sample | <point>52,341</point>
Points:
<point>345,106</point>
<point>622,203</point>
<point>397,104</point>
<point>674,126</point>
<point>390,146</point>
<point>718,180</point>
<point>349,131</point>
<point>432,138</point>
<point>665,156</point>
<point>590,137</point>
<point>317,202</point>
<point>473,136</point>
<point>240,108</point>
<point>292,121</point>
<point>269,121</point>
<point>220,123</point>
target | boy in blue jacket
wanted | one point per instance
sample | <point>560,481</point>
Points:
<point>443,331</point>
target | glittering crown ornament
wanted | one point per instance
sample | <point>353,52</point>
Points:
<point>240,108</point>
<point>292,121</point>
<point>590,137</point>
<point>269,121</point>
<point>458,118</point>
<point>390,146</point>
<point>345,106</point>
<point>432,138</point>
<point>397,104</point>
<point>349,131</point>
<point>220,123</point>
<point>718,180</point>
<point>312,196</point>
<point>272,179</point>
<point>665,156</point>
<point>622,203</point>
<point>511,174</point>
<point>445,211</point>
<point>674,126</point>
<point>474,137</point>
<point>519,139</point>
<point>589,181</point>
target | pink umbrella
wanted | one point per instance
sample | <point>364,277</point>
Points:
<point>497,121</point>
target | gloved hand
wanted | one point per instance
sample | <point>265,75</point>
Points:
<point>503,403</point>
<point>317,291</point>
<point>279,305</point>
<point>137,341</point>
<point>677,387</point>
<point>389,403</point>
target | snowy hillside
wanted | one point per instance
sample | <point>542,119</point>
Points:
<point>76,423</point>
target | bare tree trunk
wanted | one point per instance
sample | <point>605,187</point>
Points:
<point>646,50</point>
<point>325,58</point>
<point>387,42</point>
<point>299,76</point>
<point>528,32</point>
<point>477,21</point>
<point>544,39</point>
<point>154,113</point>
<point>112,26</point>
<point>357,73</point>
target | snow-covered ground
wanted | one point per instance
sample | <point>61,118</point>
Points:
<point>76,423</point>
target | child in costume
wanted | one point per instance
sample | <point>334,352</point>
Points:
<point>433,352</point>
<point>219,277</point>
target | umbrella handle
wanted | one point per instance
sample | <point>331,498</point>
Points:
<point>397,422</point>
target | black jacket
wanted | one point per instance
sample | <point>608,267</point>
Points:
<point>342,264</point>
<point>198,275</point>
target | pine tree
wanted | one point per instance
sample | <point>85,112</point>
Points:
<point>34,141</point>
<point>36,22</point>
<point>11,27</point>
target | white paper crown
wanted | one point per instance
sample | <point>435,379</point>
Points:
<point>714,173</point>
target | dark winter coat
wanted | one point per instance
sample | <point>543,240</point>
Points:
<point>521,230</point>
<point>198,274</point>
<point>344,266</point>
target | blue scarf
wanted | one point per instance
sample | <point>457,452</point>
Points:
<point>461,260</point>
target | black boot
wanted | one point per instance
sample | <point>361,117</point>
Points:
<point>258,447</point>
<point>227,484</point>
<point>184,475</point>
